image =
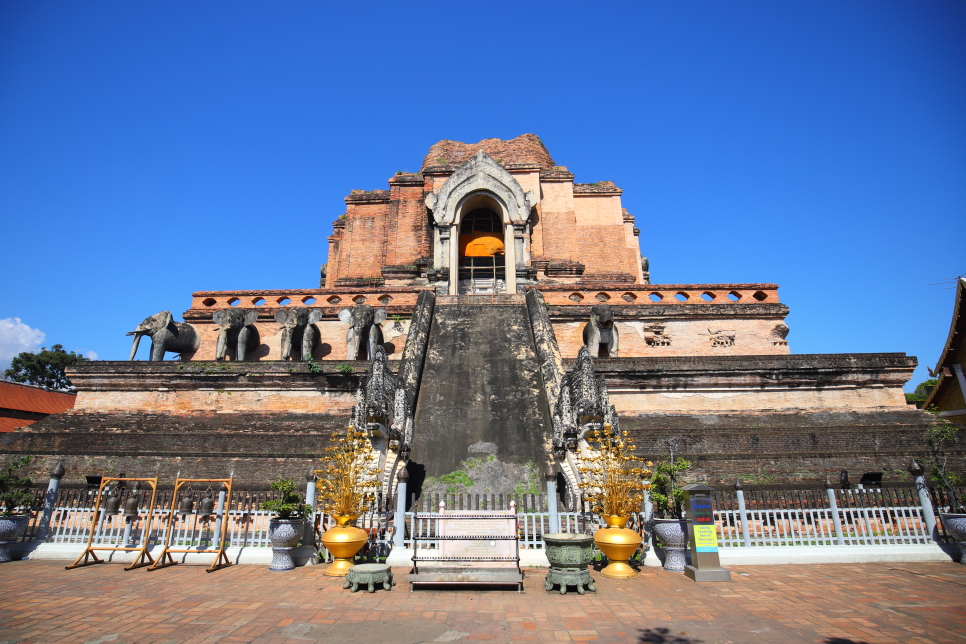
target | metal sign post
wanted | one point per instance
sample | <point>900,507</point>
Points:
<point>221,513</point>
<point>705,565</point>
<point>88,557</point>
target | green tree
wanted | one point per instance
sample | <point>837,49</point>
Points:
<point>45,368</point>
<point>939,435</point>
<point>921,393</point>
<point>14,490</point>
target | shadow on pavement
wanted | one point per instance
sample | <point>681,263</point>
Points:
<point>665,636</point>
<point>842,640</point>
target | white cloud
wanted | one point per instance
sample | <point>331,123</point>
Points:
<point>15,338</point>
<point>90,355</point>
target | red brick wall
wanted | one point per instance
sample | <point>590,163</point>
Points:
<point>363,249</point>
<point>408,227</point>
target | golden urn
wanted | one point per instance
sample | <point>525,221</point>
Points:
<point>619,544</point>
<point>343,540</point>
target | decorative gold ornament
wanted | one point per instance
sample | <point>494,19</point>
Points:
<point>343,541</point>
<point>614,521</point>
<point>613,483</point>
<point>345,520</point>
<point>347,487</point>
<point>619,544</point>
<point>613,480</point>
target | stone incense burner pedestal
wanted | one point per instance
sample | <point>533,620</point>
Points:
<point>569,556</point>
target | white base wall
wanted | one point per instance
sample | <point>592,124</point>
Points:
<point>779,555</point>
<point>761,555</point>
<point>402,557</point>
<point>247,555</point>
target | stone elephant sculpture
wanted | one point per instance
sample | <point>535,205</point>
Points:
<point>298,328</point>
<point>236,330</point>
<point>166,335</point>
<point>364,333</point>
<point>600,334</point>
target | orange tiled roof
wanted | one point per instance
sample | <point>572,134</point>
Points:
<point>11,424</point>
<point>13,395</point>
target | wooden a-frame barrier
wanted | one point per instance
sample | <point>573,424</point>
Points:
<point>88,555</point>
<point>221,559</point>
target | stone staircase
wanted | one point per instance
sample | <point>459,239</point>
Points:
<point>482,394</point>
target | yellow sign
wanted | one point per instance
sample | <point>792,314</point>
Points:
<point>705,539</point>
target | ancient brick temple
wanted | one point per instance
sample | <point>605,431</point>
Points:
<point>478,316</point>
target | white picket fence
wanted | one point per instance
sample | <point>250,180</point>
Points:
<point>823,527</point>
<point>799,527</point>
<point>854,525</point>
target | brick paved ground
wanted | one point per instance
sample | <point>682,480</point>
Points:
<point>832,604</point>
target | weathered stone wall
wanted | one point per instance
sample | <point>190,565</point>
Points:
<point>679,337</point>
<point>525,149</point>
<point>773,418</point>
<point>668,327</point>
<point>214,387</point>
<point>762,418</point>
<point>256,447</point>
<point>793,446</point>
<point>202,419</point>
<point>688,324</point>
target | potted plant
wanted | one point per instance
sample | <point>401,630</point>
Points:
<point>15,498</point>
<point>285,529</point>
<point>939,434</point>
<point>347,485</point>
<point>670,527</point>
<point>614,483</point>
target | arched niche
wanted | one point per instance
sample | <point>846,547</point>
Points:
<point>481,246</point>
<point>480,183</point>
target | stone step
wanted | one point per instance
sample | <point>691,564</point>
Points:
<point>500,299</point>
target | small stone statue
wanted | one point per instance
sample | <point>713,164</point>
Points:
<point>166,335</point>
<point>236,330</point>
<point>600,334</point>
<point>298,327</point>
<point>364,333</point>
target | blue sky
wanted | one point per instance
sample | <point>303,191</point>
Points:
<point>148,150</point>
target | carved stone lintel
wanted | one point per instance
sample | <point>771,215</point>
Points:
<point>655,335</point>
<point>480,174</point>
<point>779,335</point>
<point>722,337</point>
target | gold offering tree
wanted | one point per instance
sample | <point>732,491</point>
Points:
<point>348,481</point>
<point>613,479</point>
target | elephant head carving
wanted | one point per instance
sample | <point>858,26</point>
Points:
<point>600,334</point>
<point>166,335</point>
<point>236,330</point>
<point>298,327</point>
<point>364,334</point>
